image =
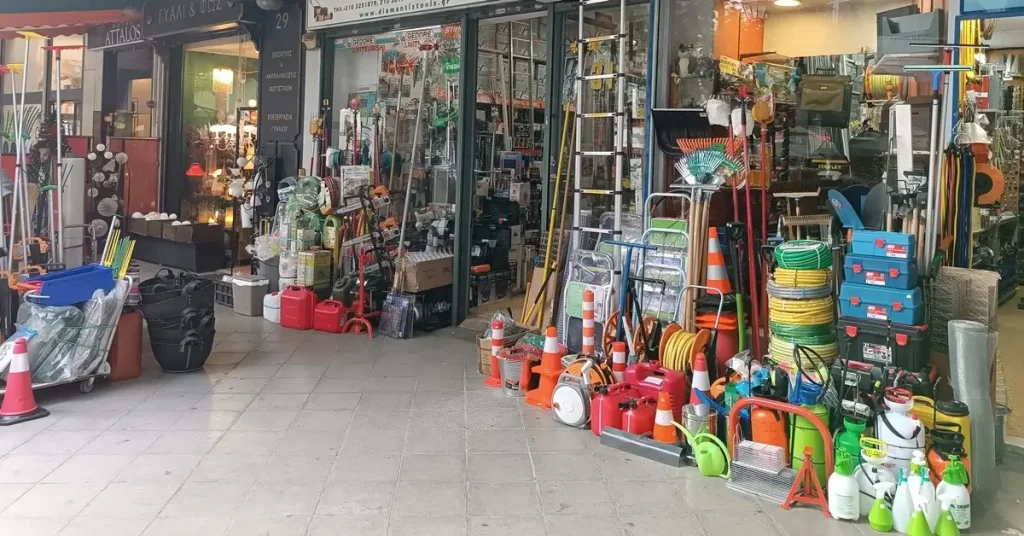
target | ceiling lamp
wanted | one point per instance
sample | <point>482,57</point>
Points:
<point>786,3</point>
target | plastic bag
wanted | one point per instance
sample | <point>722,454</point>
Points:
<point>49,331</point>
<point>288,266</point>
<point>511,327</point>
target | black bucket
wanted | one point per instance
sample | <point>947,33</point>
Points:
<point>197,294</point>
<point>187,355</point>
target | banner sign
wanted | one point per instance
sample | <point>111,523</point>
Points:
<point>327,13</point>
<point>114,34</point>
<point>169,17</point>
<point>280,75</point>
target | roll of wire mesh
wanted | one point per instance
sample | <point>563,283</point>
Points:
<point>803,255</point>
<point>307,193</point>
<point>972,348</point>
<point>801,312</point>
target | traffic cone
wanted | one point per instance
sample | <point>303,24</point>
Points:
<point>664,431</point>
<point>588,323</point>
<point>619,361</point>
<point>717,276</point>
<point>701,382</point>
<point>497,343</point>
<point>19,403</point>
<point>549,369</point>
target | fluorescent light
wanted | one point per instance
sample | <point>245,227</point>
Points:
<point>787,3</point>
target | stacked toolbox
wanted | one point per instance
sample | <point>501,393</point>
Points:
<point>881,303</point>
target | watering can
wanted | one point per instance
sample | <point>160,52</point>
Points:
<point>711,455</point>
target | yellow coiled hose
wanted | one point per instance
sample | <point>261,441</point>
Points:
<point>801,312</point>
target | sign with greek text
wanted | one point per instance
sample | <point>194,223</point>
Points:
<point>280,75</point>
<point>169,17</point>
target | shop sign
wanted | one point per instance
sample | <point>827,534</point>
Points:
<point>327,13</point>
<point>379,42</point>
<point>169,17</point>
<point>114,35</point>
<point>280,75</point>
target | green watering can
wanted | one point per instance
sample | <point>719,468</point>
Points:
<point>711,454</point>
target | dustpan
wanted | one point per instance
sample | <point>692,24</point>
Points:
<point>671,124</point>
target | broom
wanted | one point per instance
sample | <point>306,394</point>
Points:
<point>762,113</point>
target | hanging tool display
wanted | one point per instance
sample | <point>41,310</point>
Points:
<point>957,182</point>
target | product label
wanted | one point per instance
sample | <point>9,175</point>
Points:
<point>843,505</point>
<point>654,380</point>
<point>877,353</point>
<point>878,312</point>
<point>874,278</point>
<point>896,251</point>
<point>961,514</point>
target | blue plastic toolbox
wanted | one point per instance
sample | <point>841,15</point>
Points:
<point>880,271</point>
<point>68,287</point>
<point>899,306</point>
<point>884,244</point>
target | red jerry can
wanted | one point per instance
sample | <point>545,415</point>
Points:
<point>297,305</point>
<point>328,316</point>
<point>639,417</point>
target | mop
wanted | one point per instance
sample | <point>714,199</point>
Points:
<point>20,179</point>
<point>762,113</point>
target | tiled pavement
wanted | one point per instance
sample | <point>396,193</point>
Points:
<point>291,433</point>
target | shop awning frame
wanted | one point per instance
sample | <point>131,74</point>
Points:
<point>51,18</point>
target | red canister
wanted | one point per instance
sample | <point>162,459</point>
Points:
<point>297,305</point>
<point>650,378</point>
<point>606,407</point>
<point>327,316</point>
<point>638,417</point>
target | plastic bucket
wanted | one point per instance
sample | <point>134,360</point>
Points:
<point>1001,412</point>
<point>511,369</point>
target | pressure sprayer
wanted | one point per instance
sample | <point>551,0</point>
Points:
<point>918,525</point>
<point>902,505</point>
<point>953,487</point>
<point>947,526</point>
<point>921,487</point>
<point>900,428</point>
<point>843,492</point>
<point>711,455</point>
<point>872,470</point>
<point>849,439</point>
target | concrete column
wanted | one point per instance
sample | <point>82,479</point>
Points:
<point>310,100</point>
<point>92,93</point>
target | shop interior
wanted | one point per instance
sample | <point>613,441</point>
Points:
<point>511,170</point>
<point>219,118</point>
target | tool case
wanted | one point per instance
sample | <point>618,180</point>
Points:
<point>899,306</point>
<point>884,244</point>
<point>884,344</point>
<point>881,271</point>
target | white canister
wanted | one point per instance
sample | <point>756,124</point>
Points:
<point>272,307</point>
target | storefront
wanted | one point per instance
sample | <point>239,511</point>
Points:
<point>485,85</point>
<point>189,78</point>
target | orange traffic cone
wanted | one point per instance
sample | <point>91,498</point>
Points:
<point>664,431</point>
<point>619,361</point>
<point>588,323</point>
<point>549,369</point>
<point>19,403</point>
<point>497,343</point>
<point>701,382</point>
<point>717,276</point>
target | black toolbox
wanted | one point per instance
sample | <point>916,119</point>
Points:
<point>883,343</point>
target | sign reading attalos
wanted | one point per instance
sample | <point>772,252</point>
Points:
<point>326,13</point>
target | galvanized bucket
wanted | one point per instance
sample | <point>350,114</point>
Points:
<point>696,423</point>
<point>511,369</point>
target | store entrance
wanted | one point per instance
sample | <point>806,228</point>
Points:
<point>512,74</point>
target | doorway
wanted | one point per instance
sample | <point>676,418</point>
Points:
<point>508,164</point>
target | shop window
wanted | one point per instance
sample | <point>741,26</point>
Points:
<point>14,53</point>
<point>133,104</point>
<point>399,77</point>
<point>71,62</point>
<point>218,118</point>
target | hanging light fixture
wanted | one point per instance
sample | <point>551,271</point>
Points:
<point>786,3</point>
<point>223,81</point>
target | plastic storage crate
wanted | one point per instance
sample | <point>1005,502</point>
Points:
<point>223,292</point>
<point>247,294</point>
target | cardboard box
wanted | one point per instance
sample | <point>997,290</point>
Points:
<point>169,232</point>
<point>198,232</point>
<point>515,253</point>
<point>314,269</point>
<point>519,192</point>
<point>484,348</point>
<point>155,228</point>
<point>483,187</point>
<point>425,275</point>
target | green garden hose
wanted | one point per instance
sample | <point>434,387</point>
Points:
<point>803,255</point>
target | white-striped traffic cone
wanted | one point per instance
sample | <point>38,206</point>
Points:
<point>619,361</point>
<point>589,340</point>
<point>497,343</point>
<point>19,403</point>
<point>664,431</point>
<point>701,382</point>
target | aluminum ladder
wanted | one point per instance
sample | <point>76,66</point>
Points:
<point>521,36</point>
<point>591,44</point>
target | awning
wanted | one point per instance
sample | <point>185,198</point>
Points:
<point>51,18</point>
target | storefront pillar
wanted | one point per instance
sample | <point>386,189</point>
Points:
<point>467,179</point>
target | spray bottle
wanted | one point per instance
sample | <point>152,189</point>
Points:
<point>880,516</point>
<point>946,526</point>
<point>952,486</point>
<point>843,492</point>
<point>918,522</point>
<point>926,491</point>
<point>902,505</point>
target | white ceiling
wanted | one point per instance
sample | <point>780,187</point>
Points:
<point>810,5</point>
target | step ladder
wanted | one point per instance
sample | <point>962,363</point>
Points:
<point>618,42</point>
<point>523,68</point>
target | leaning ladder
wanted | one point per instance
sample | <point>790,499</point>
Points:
<point>585,44</point>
